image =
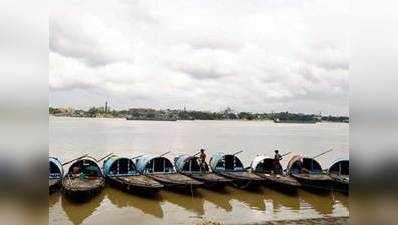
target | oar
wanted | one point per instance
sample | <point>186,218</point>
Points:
<point>322,153</point>
<point>165,153</point>
<point>99,160</point>
<point>137,156</point>
<point>286,154</point>
<point>196,154</point>
<point>74,159</point>
<point>238,152</point>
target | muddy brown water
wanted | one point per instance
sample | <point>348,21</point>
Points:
<point>228,206</point>
<point>71,137</point>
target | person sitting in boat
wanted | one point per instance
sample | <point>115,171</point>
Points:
<point>277,158</point>
<point>202,157</point>
<point>75,171</point>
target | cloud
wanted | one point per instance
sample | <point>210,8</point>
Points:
<point>209,55</point>
<point>205,63</point>
<point>82,35</point>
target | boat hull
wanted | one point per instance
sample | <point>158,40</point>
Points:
<point>138,184</point>
<point>54,185</point>
<point>340,184</point>
<point>280,182</point>
<point>243,179</point>
<point>176,181</point>
<point>315,182</point>
<point>81,190</point>
<point>210,180</point>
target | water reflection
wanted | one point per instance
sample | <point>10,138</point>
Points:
<point>149,205</point>
<point>53,199</point>
<point>269,203</point>
<point>252,198</point>
<point>193,203</point>
<point>341,198</point>
<point>220,198</point>
<point>78,212</point>
<point>282,201</point>
<point>321,202</point>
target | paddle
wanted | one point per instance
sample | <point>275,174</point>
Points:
<point>104,157</point>
<point>196,154</point>
<point>137,156</point>
<point>322,153</point>
<point>286,154</point>
<point>238,152</point>
<point>63,164</point>
<point>164,153</point>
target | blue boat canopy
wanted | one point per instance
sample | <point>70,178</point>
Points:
<point>154,164</point>
<point>55,168</point>
<point>186,163</point>
<point>85,167</point>
<point>225,162</point>
<point>119,166</point>
<point>340,167</point>
<point>299,163</point>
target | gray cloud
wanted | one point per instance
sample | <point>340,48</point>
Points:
<point>251,57</point>
<point>84,36</point>
<point>68,86</point>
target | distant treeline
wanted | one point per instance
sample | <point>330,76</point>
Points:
<point>228,114</point>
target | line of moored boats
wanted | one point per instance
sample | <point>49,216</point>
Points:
<point>147,174</point>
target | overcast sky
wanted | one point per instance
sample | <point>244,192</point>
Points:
<point>253,56</point>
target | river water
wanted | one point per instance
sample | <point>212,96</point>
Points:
<point>72,137</point>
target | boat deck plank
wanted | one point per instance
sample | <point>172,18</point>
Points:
<point>317,177</point>
<point>241,175</point>
<point>138,180</point>
<point>209,177</point>
<point>280,178</point>
<point>82,184</point>
<point>175,178</point>
<point>341,178</point>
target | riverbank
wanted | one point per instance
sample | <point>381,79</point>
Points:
<point>176,114</point>
<point>175,120</point>
<point>316,221</point>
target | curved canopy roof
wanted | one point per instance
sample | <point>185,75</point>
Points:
<point>186,162</point>
<point>154,164</point>
<point>264,163</point>
<point>86,165</point>
<point>257,160</point>
<point>297,163</point>
<point>55,168</point>
<point>225,162</point>
<point>341,167</point>
<point>119,166</point>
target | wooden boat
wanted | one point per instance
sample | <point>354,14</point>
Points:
<point>231,167</point>
<point>309,173</point>
<point>56,172</point>
<point>340,174</point>
<point>189,166</point>
<point>162,170</point>
<point>84,179</point>
<point>266,168</point>
<point>122,173</point>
